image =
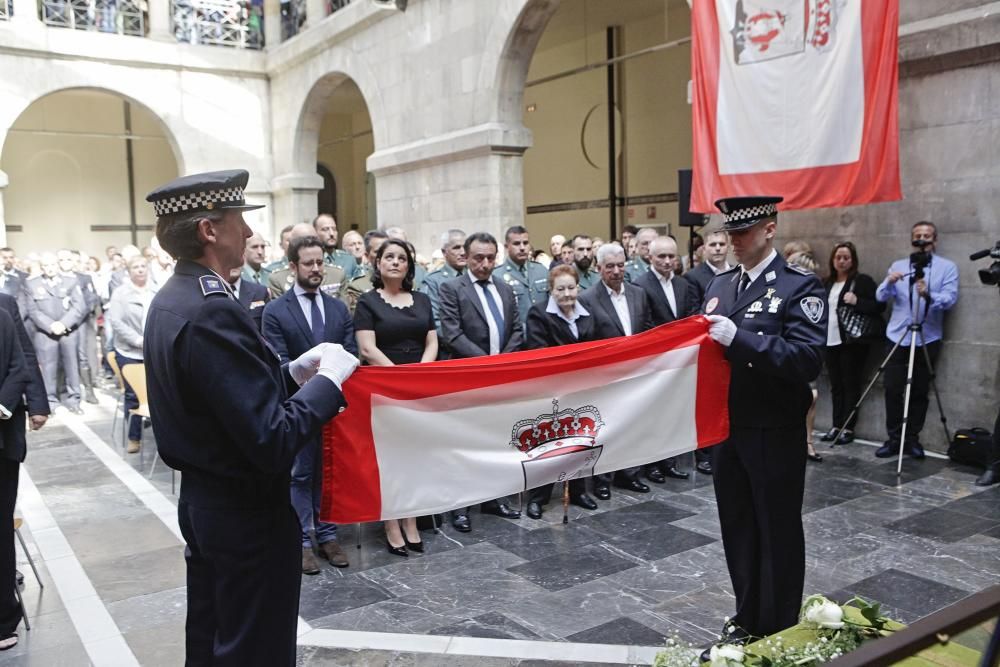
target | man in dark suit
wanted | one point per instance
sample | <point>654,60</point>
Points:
<point>715,252</point>
<point>478,318</point>
<point>55,305</point>
<point>14,379</point>
<point>295,322</point>
<point>252,295</point>
<point>34,393</point>
<point>618,309</point>
<point>670,298</point>
<point>771,318</point>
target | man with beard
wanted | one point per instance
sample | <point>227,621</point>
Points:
<point>282,280</point>
<point>326,232</point>
<point>583,260</point>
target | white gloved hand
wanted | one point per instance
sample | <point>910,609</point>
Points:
<point>337,364</point>
<point>303,368</point>
<point>722,331</point>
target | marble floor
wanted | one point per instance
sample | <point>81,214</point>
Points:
<point>604,589</point>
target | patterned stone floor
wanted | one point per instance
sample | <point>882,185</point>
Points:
<point>98,524</point>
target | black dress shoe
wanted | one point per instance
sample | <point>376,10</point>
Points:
<point>602,492</point>
<point>584,501</point>
<point>991,476</point>
<point>704,467</point>
<point>461,523</point>
<point>534,510</point>
<point>915,450</point>
<point>417,546</point>
<point>814,457</point>
<point>397,551</point>
<point>887,450</point>
<point>846,438</point>
<point>829,435</point>
<point>632,485</point>
<point>674,473</point>
<point>500,509</point>
<point>655,475</point>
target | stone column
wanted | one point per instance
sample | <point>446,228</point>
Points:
<point>26,11</point>
<point>294,198</point>
<point>272,23</point>
<point>159,20</point>
<point>315,12</point>
<point>471,179</point>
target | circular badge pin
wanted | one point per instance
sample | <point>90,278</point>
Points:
<point>710,306</point>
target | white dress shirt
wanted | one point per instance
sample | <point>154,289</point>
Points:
<point>621,307</point>
<point>759,269</point>
<point>306,303</point>
<point>490,322</point>
<point>578,312</point>
<point>667,285</point>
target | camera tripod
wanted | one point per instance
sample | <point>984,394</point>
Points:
<point>915,329</point>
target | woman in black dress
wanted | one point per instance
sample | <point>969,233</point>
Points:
<point>560,321</point>
<point>394,325</point>
<point>845,356</point>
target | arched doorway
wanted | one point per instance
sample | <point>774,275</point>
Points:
<point>326,199</point>
<point>569,180</point>
<point>79,164</point>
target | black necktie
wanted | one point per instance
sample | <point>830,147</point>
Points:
<point>494,309</point>
<point>744,282</point>
<point>317,318</point>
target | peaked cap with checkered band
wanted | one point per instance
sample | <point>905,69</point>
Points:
<point>744,212</point>
<point>211,191</point>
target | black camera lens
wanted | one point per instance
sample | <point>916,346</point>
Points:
<point>991,274</point>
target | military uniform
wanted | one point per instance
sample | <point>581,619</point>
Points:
<point>229,416</point>
<point>432,285</point>
<point>281,281</point>
<point>276,265</point>
<point>259,276</point>
<point>588,278</point>
<point>635,267</point>
<point>352,290</point>
<point>49,300</point>
<point>759,471</point>
<point>344,260</point>
<point>530,283</point>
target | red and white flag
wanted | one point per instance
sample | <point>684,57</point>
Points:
<point>796,98</point>
<point>427,438</point>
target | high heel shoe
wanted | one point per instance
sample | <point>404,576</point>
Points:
<point>417,546</point>
<point>397,551</point>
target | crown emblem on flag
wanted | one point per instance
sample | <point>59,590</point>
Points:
<point>560,431</point>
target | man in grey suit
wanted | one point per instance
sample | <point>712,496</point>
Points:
<point>670,298</point>
<point>478,318</point>
<point>55,305</point>
<point>618,309</point>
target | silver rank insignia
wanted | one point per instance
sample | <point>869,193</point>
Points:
<point>775,302</point>
<point>769,276</point>
<point>770,293</point>
<point>756,307</point>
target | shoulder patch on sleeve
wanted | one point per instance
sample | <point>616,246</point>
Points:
<point>212,285</point>
<point>798,269</point>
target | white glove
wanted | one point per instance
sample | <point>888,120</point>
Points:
<point>303,368</point>
<point>722,331</point>
<point>337,364</point>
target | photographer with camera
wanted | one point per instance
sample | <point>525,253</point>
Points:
<point>921,288</point>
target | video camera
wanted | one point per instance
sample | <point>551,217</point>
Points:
<point>991,274</point>
<point>921,259</point>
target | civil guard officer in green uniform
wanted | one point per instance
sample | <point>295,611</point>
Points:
<point>639,264</point>
<point>453,249</point>
<point>528,278</point>
<point>326,232</point>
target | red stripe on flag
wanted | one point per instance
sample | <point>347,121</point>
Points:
<point>351,484</point>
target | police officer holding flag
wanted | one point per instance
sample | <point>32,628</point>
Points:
<point>231,417</point>
<point>771,319</point>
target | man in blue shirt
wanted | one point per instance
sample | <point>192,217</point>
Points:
<point>933,294</point>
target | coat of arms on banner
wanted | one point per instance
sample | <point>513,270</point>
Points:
<point>558,446</point>
<point>769,29</point>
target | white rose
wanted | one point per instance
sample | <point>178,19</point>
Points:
<point>825,614</point>
<point>726,655</point>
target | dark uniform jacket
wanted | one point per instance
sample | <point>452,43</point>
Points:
<point>699,277</point>
<point>606,323</point>
<point>34,393</point>
<point>684,296</point>
<point>464,329</point>
<point>225,410</point>
<point>46,303</point>
<point>781,331</point>
<point>254,297</point>
<point>13,382</point>
<point>546,329</point>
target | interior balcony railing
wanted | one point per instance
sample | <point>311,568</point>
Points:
<point>293,15</point>
<point>6,9</point>
<point>123,17</point>
<point>232,23</point>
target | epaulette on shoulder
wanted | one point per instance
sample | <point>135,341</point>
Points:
<point>728,271</point>
<point>210,284</point>
<point>800,270</point>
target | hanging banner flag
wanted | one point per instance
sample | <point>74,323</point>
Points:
<point>426,438</point>
<point>796,98</point>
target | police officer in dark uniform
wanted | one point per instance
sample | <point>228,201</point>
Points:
<point>528,278</point>
<point>231,417</point>
<point>771,319</point>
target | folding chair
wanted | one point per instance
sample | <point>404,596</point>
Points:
<point>24,547</point>
<point>116,369</point>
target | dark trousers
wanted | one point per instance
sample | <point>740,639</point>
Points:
<point>845,363</point>
<point>543,494</point>
<point>53,352</point>
<point>10,611</point>
<point>131,400</point>
<point>619,476</point>
<point>307,491</point>
<point>87,351</point>
<point>243,578</point>
<point>759,477</point>
<point>895,390</point>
